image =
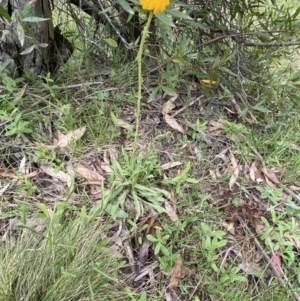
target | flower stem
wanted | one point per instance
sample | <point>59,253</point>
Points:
<point>140,79</point>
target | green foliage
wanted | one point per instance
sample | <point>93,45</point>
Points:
<point>16,126</point>
<point>212,240</point>
<point>133,179</point>
<point>67,260</point>
<point>160,242</point>
<point>181,179</point>
<point>282,234</point>
<point>269,193</point>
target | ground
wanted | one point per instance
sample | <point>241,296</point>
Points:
<point>204,207</point>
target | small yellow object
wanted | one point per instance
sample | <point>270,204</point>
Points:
<point>156,5</point>
<point>208,81</point>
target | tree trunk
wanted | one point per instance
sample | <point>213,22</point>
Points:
<point>43,48</point>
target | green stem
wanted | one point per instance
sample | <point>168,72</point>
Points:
<point>140,79</point>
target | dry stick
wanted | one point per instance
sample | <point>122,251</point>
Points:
<point>272,266</point>
<point>190,104</point>
<point>291,193</point>
<point>113,26</point>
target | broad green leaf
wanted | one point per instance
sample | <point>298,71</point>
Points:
<point>169,91</point>
<point>120,213</point>
<point>111,42</point>
<point>27,11</point>
<point>151,238</point>
<point>153,94</point>
<point>113,118</point>
<point>219,244</point>
<point>21,33</point>
<point>267,233</point>
<point>165,19</point>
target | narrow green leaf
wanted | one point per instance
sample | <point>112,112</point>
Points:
<point>126,6</point>
<point>5,14</point>
<point>179,15</point>
<point>142,187</point>
<point>156,206</point>
<point>192,180</point>
<point>165,19</point>
<point>226,70</point>
<point>43,45</point>
<point>27,50</point>
<point>296,13</point>
<point>34,19</point>
<point>137,204</point>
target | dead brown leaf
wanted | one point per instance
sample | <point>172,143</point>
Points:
<point>168,107</point>
<point>171,212</point>
<point>19,94</point>
<point>22,165</point>
<point>235,173</point>
<point>170,165</point>
<point>60,175</point>
<point>230,227</point>
<point>64,140</point>
<point>106,167</point>
<point>9,174</point>
<point>123,124</point>
<point>263,174</point>
<point>270,173</point>
<point>173,123</point>
<point>220,124</point>
<point>251,268</point>
<point>260,227</point>
<point>178,272</point>
<point>90,175</point>
<point>3,189</point>
<point>216,128</point>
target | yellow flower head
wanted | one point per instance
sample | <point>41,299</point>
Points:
<point>155,5</point>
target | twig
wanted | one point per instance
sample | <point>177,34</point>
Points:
<point>270,44</point>
<point>190,104</point>
<point>113,26</point>
<point>291,193</point>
